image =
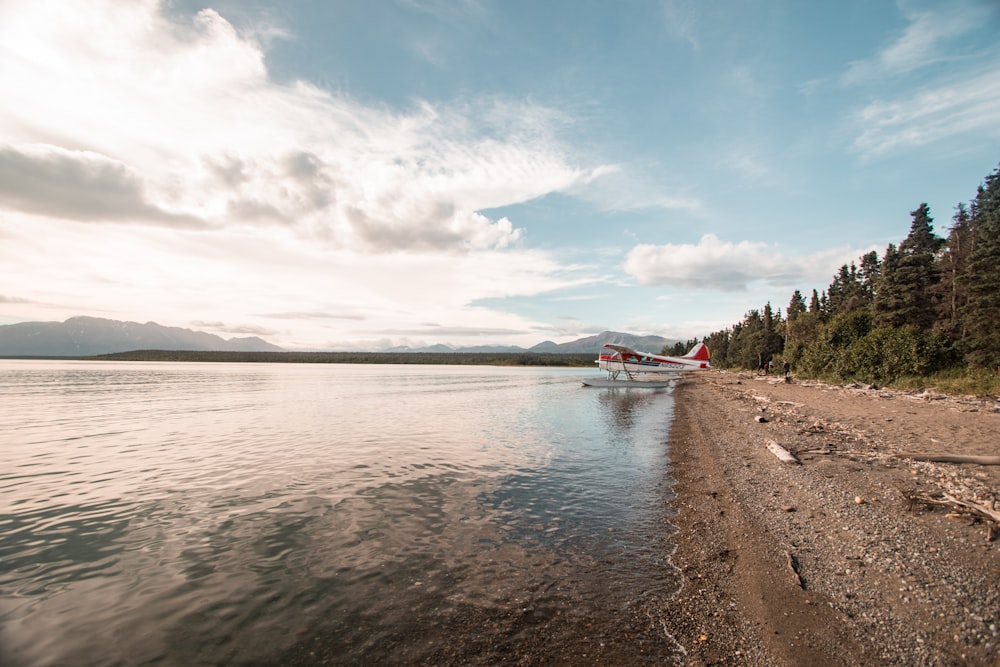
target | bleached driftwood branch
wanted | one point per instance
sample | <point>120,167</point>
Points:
<point>951,458</point>
<point>987,510</point>
<point>982,508</point>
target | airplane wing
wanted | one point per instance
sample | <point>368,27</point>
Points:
<point>621,349</point>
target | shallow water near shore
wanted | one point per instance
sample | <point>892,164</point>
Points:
<point>184,514</point>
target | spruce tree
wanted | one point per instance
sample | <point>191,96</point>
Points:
<point>847,292</point>
<point>981,313</point>
<point>886,299</point>
<point>868,275</point>
<point>773,342</point>
<point>796,306</point>
<point>909,279</point>
<point>954,262</point>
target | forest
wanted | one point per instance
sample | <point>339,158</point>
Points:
<point>924,313</point>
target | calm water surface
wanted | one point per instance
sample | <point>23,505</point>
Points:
<point>203,514</point>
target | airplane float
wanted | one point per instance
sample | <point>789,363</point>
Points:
<point>643,369</point>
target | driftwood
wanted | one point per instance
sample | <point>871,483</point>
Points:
<point>982,508</point>
<point>988,510</point>
<point>951,458</point>
<point>783,454</point>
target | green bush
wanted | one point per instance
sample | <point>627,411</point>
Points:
<point>886,354</point>
<point>826,356</point>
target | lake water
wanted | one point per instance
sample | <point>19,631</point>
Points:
<point>205,514</point>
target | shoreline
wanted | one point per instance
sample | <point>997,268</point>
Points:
<point>840,559</point>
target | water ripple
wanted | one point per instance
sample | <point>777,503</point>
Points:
<point>215,513</point>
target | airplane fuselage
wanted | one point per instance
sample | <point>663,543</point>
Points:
<point>641,364</point>
<point>619,359</point>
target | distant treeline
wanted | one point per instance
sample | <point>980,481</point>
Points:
<point>930,305</point>
<point>439,358</point>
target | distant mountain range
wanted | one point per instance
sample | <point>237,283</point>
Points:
<point>588,345</point>
<point>593,344</point>
<point>87,336</point>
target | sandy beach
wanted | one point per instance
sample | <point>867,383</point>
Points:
<point>850,556</point>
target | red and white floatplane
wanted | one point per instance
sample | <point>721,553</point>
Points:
<point>631,368</point>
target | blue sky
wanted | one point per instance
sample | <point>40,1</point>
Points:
<point>354,175</point>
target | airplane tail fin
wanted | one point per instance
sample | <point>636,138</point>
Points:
<point>698,352</point>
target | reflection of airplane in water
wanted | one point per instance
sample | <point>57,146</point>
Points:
<point>642,369</point>
<point>625,409</point>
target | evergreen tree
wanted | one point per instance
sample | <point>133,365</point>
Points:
<point>886,300</point>
<point>846,292</point>
<point>680,348</point>
<point>981,313</point>
<point>906,314</point>
<point>838,289</point>
<point>802,331</point>
<point>746,348</point>
<point>796,306</point>
<point>772,340</point>
<point>954,262</point>
<point>868,275</point>
<point>802,326</point>
<point>718,346</point>
<point>907,289</point>
<point>814,306</point>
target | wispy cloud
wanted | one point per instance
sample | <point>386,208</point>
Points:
<point>930,107</point>
<point>314,315</point>
<point>237,329</point>
<point>13,299</point>
<point>620,188</point>
<point>714,264</point>
<point>922,42</point>
<point>680,17</point>
<point>746,165</point>
<point>451,12</point>
<point>932,115</point>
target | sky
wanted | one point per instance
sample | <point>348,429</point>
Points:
<point>343,175</point>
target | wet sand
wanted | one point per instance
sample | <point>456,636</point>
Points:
<point>853,556</point>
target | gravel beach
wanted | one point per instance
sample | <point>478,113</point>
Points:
<point>852,555</point>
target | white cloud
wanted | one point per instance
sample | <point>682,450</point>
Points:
<point>166,122</point>
<point>715,264</point>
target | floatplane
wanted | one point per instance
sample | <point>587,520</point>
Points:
<point>643,369</point>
